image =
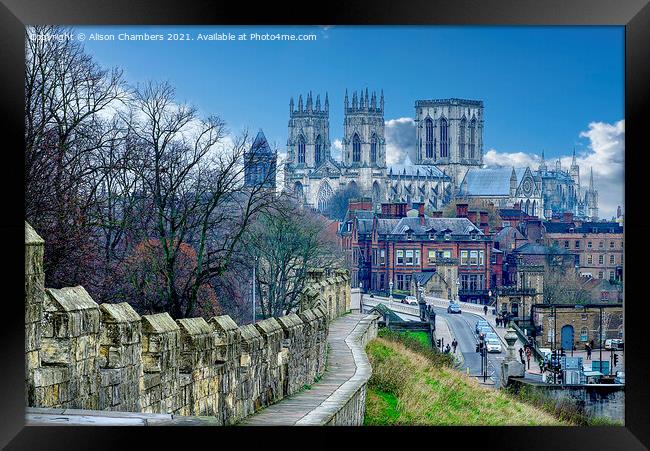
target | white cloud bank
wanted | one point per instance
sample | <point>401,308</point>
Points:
<point>604,153</point>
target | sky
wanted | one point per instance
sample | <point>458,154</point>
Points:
<point>544,88</point>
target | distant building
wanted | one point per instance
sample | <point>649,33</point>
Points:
<point>260,164</point>
<point>599,246</point>
<point>399,244</point>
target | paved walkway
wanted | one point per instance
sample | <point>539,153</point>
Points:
<point>340,368</point>
<point>36,416</point>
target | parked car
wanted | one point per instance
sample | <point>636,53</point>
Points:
<point>411,300</point>
<point>484,330</point>
<point>454,308</point>
<point>493,345</point>
<point>614,343</point>
<point>479,323</point>
<point>491,336</point>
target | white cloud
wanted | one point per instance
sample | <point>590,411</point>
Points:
<point>337,149</point>
<point>400,140</point>
<point>605,153</point>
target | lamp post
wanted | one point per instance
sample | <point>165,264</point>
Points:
<point>390,287</point>
<point>457,289</point>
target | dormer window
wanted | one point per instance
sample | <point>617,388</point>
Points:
<point>409,236</point>
<point>447,236</point>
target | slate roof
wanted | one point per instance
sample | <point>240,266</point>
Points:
<point>489,181</point>
<point>506,213</point>
<point>261,145</point>
<point>407,168</point>
<point>364,225</point>
<point>423,277</point>
<point>558,227</point>
<point>504,232</point>
<point>456,226</point>
<point>586,227</point>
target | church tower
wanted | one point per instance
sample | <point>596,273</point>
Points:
<point>591,198</point>
<point>308,145</point>
<point>450,135</point>
<point>364,144</point>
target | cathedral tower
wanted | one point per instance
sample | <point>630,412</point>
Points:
<point>308,145</point>
<point>450,135</point>
<point>591,198</point>
<point>364,144</point>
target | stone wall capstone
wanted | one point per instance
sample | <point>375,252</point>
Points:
<point>83,355</point>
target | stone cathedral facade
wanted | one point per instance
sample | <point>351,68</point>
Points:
<point>449,160</point>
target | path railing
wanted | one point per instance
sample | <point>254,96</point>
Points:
<point>395,306</point>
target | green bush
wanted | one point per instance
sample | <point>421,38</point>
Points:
<point>414,344</point>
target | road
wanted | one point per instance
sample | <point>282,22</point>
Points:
<point>463,328</point>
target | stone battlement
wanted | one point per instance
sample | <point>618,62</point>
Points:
<point>84,355</point>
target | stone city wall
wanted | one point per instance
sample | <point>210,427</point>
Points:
<point>82,355</point>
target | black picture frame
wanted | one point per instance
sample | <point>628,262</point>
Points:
<point>633,14</point>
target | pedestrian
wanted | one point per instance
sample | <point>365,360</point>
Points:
<point>454,344</point>
<point>498,320</point>
<point>485,309</point>
<point>588,348</point>
<point>521,356</point>
<point>447,349</point>
<point>528,355</point>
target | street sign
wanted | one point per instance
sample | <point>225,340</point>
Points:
<point>602,366</point>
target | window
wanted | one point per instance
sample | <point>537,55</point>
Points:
<point>428,124</point>
<point>356,148</point>
<point>612,259</point>
<point>589,244</point>
<point>447,236</point>
<point>409,235</point>
<point>601,259</point>
<point>577,244</point>
<point>432,236</point>
<point>432,256</point>
<point>611,245</point>
<point>317,150</point>
<point>461,140</point>
<point>444,138</point>
<point>409,257</point>
<point>446,253</point>
<point>473,257</point>
<point>601,244</point>
<point>481,258</point>
<point>373,148</point>
<point>600,274</point>
<point>400,256</point>
<point>382,257</point>
<point>611,275</point>
<point>566,244</point>
<point>589,260</point>
<point>381,281</point>
<point>584,316</point>
<point>472,139</point>
<point>400,282</point>
<point>417,257</point>
<point>301,149</point>
<point>584,334</point>
<point>463,257</point>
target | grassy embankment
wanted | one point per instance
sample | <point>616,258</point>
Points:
<point>411,384</point>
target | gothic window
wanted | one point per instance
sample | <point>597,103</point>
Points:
<point>373,148</point>
<point>324,196</point>
<point>356,148</point>
<point>472,139</point>
<point>318,147</point>
<point>444,138</point>
<point>428,124</point>
<point>461,140</point>
<point>376,193</point>
<point>301,149</point>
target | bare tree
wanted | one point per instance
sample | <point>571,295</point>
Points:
<point>563,285</point>
<point>65,94</point>
<point>337,205</point>
<point>284,245</point>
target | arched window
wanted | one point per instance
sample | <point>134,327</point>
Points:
<point>301,149</point>
<point>472,139</point>
<point>317,150</point>
<point>527,207</point>
<point>376,192</point>
<point>444,138</point>
<point>461,139</point>
<point>356,148</point>
<point>373,148</point>
<point>534,212</point>
<point>324,196</point>
<point>298,191</point>
<point>428,125</point>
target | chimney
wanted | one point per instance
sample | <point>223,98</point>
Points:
<point>362,203</point>
<point>419,206</point>
<point>485,226</point>
<point>461,210</point>
<point>394,210</point>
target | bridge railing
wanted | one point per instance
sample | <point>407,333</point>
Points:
<point>395,306</point>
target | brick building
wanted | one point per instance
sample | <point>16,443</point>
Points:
<point>398,243</point>
<point>599,246</point>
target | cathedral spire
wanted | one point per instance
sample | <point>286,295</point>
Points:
<point>591,179</point>
<point>309,102</point>
<point>317,102</point>
<point>327,101</point>
<point>542,165</point>
<point>573,161</point>
<point>291,105</point>
<point>381,102</point>
<point>366,103</point>
<point>300,103</point>
<point>347,103</point>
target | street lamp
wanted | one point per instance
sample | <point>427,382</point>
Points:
<point>390,287</point>
<point>457,289</point>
